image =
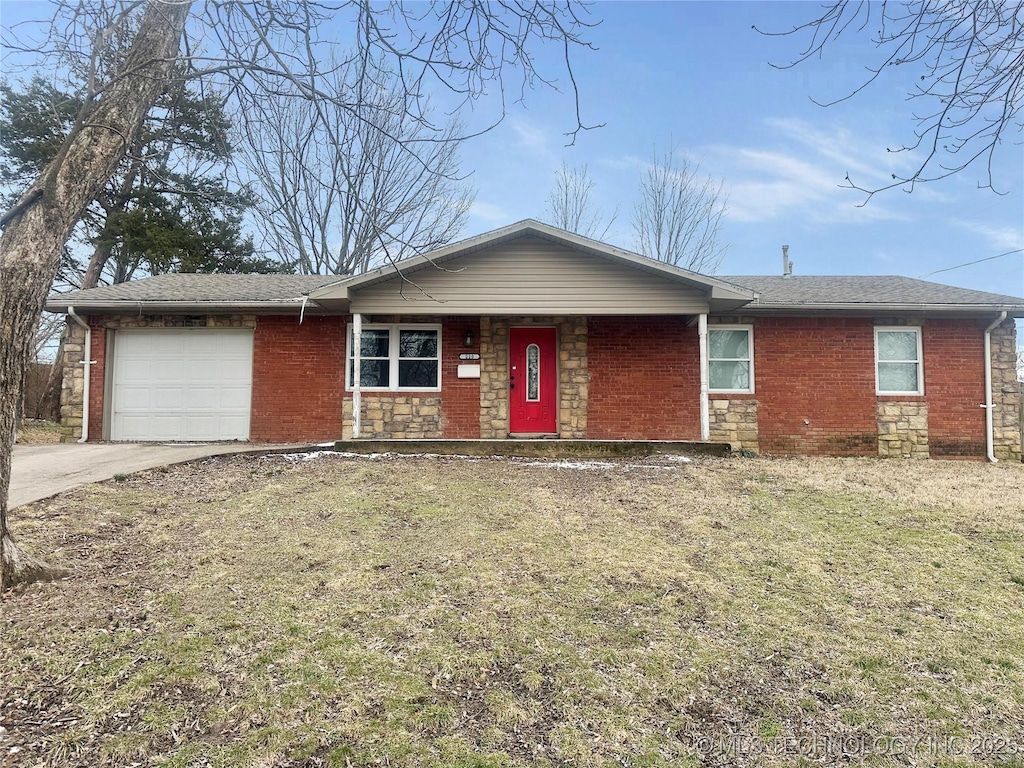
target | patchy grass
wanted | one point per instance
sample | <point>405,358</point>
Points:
<point>442,612</point>
<point>37,431</point>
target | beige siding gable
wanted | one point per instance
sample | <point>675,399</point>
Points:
<point>529,276</point>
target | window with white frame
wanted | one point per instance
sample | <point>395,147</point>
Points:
<point>397,357</point>
<point>898,360</point>
<point>731,358</point>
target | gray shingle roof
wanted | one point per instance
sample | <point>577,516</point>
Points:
<point>796,291</point>
<point>776,292</point>
<point>200,289</point>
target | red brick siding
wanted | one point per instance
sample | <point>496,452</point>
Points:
<point>460,398</point>
<point>954,386</point>
<point>644,379</point>
<point>298,379</point>
<point>814,383</point>
<point>97,377</point>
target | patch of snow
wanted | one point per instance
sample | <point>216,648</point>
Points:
<point>679,459</point>
<point>565,464</point>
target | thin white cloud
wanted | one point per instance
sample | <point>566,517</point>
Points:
<point>531,137</point>
<point>493,215</point>
<point>998,238</point>
<point>799,171</point>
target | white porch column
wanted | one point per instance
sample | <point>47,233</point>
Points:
<point>702,336</point>
<point>357,353</point>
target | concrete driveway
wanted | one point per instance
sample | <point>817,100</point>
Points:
<point>40,471</point>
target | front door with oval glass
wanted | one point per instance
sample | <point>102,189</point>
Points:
<point>533,381</point>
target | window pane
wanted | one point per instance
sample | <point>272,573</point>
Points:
<point>417,344</point>
<point>897,377</point>
<point>374,343</point>
<point>728,344</point>
<point>533,373</point>
<point>897,345</point>
<point>418,374</point>
<point>372,373</point>
<point>729,375</point>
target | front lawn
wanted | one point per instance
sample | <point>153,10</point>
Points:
<point>444,612</point>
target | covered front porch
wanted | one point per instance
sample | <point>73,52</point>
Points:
<point>528,332</point>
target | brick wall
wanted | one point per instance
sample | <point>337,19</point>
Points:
<point>814,383</point>
<point>644,379</point>
<point>954,386</point>
<point>97,378</point>
<point>298,379</point>
<point>460,398</point>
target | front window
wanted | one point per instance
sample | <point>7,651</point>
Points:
<point>397,357</point>
<point>898,361</point>
<point>731,359</point>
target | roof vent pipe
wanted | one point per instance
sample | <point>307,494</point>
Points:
<point>787,265</point>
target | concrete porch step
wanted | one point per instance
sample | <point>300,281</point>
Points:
<point>546,448</point>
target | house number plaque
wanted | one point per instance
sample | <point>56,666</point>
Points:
<point>469,356</point>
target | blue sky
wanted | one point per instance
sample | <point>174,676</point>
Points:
<point>696,75</point>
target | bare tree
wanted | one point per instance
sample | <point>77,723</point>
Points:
<point>965,60</point>
<point>571,205</point>
<point>339,191</point>
<point>677,218</point>
<point>128,52</point>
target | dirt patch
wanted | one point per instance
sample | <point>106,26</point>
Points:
<point>277,611</point>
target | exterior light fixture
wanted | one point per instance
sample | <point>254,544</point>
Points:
<point>468,340</point>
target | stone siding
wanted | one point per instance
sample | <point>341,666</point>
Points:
<point>396,417</point>
<point>734,421</point>
<point>72,391</point>
<point>573,375</point>
<point>1006,394</point>
<point>903,429</point>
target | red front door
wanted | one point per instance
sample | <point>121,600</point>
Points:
<point>533,381</point>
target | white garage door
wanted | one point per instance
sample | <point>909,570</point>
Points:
<point>181,384</point>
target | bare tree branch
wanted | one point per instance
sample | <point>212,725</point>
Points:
<point>965,64</point>
<point>678,216</point>
<point>342,187</point>
<point>571,204</point>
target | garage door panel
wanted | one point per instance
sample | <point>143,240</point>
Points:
<point>166,398</point>
<point>169,369</point>
<point>181,384</point>
<point>237,427</point>
<point>235,397</point>
<point>132,398</point>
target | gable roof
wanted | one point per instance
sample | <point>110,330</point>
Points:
<point>728,294</point>
<point>870,293</point>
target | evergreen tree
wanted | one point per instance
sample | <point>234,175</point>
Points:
<point>167,209</point>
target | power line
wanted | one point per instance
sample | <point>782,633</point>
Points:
<point>978,261</point>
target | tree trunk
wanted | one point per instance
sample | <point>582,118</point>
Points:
<point>42,222</point>
<point>49,403</point>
